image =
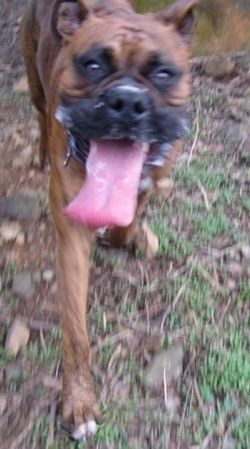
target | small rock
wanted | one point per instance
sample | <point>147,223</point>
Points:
<point>20,240</point>
<point>164,187</point>
<point>30,236</point>
<point>54,288</point>
<point>173,402</point>
<point>48,275</point>
<point>21,86</point>
<point>234,268</point>
<point>42,227</point>
<point>3,403</point>
<point>36,160</point>
<point>17,399</point>
<point>218,148</point>
<point>23,159</point>
<point>18,139</point>
<point>22,205</point>
<point>7,132</point>
<point>23,286</point>
<point>168,361</point>
<point>243,61</point>
<point>231,284</point>
<point>35,134</point>
<point>131,442</point>
<point>146,241</point>
<point>32,174</point>
<point>37,278</point>
<point>218,66</point>
<point>9,231</point>
<point>17,337</point>
<point>229,442</point>
<point>13,372</point>
<point>121,389</point>
<point>245,250</point>
<point>235,133</point>
<point>236,113</point>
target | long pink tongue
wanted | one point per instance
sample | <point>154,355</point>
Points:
<point>109,194</point>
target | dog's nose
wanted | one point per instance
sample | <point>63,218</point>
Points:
<point>127,102</point>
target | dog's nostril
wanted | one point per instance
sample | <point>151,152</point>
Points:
<point>117,104</point>
<point>121,102</point>
<point>139,107</point>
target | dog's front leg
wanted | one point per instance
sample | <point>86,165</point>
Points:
<point>79,405</point>
<point>79,402</point>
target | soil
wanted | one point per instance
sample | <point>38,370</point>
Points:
<point>114,274</point>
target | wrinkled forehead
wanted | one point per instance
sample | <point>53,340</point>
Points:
<point>133,36</point>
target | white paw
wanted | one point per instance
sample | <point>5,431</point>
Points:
<point>85,430</point>
<point>101,232</point>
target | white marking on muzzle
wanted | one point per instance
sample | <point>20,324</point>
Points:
<point>145,184</point>
<point>133,89</point>
<point>60,114</point>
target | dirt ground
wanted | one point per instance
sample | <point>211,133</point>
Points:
<point>190,304</point>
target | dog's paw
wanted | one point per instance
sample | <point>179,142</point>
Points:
<point>102,236</point>
<point>80,411</point>
<point>146,241</point>
<point>85,430</point>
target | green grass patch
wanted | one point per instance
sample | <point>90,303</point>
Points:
<point>206,171</point>
<point>241,429</point>
<point>47,355</point>
<point>225,370</point>
<point>5,357</point>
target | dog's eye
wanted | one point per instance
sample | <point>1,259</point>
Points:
<point>92,67</point>
<point>162,75</point>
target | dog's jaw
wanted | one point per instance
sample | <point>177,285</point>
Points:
<point>105,200</point>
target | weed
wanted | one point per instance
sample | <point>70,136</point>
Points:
<point>47,356</point>
<point>246,203</point>
<point>9,270</point>
<point>5,357</point>
<point>170,241</point>
<point>241,430</point>
<point>225,372</point>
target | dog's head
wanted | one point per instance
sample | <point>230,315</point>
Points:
<point>123,85</point>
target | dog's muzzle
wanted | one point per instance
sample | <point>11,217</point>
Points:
<point>127,103</point>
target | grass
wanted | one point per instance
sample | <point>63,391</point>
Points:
<point>221,373</point>
<point>5,357</point>
<point>46,355</point>
<point>226,367</point>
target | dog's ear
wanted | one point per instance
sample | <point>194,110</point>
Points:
<point>67,16</point>
<point>181,15</point>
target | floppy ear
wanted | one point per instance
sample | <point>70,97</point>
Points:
<point>180,14</point>
<point>67,16</point>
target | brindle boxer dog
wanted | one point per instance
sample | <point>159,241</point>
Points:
<point>110,87</point>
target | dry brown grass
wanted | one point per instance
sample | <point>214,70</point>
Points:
<point>222,27</point>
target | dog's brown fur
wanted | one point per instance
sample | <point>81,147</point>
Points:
<point>48,58</point>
